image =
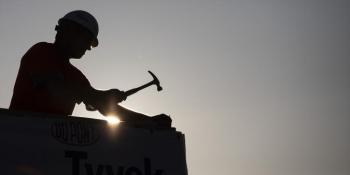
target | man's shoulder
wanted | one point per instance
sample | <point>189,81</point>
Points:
<point>38,51</point>
<point>42,46</point>
<point>38,56</point>
<point>39,48</point>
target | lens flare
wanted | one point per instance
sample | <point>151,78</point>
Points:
<point>112,120</point>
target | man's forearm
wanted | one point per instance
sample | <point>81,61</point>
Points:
<point>125,114</point>
<point>106,104</point>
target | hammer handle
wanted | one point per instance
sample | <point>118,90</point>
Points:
<point>133,91</point>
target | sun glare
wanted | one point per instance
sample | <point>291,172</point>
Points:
<point>112,120</point>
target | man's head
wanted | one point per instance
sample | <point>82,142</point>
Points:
<point>77,32</point>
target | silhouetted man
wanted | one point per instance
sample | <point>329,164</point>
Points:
<point>47,82</point>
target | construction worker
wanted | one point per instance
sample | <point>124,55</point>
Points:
<point>47,82</point>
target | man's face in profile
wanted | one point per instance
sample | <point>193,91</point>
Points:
<point>80,41</point>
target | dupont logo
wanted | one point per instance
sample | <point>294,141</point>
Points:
<point>75,133</point>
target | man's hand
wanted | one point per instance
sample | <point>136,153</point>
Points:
<point>117,95</point>
<point>105,101</point>
<point>162,120</point>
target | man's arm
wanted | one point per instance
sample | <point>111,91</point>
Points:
<point>106,102</point>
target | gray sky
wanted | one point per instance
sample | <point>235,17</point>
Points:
<point>259,87</point>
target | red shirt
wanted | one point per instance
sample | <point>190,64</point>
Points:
<point>43,63</point>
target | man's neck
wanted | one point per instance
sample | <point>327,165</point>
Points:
<point>61,50</point>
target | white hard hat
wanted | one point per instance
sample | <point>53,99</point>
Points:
<point>85,20</point>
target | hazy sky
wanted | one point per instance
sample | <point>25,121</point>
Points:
<point>259,87</point>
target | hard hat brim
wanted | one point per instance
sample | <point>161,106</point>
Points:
<point>94,42</point>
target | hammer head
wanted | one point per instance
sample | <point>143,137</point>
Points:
<point>156,81</point>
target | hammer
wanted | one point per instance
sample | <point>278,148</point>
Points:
<point>155,81</point>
